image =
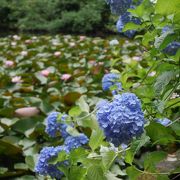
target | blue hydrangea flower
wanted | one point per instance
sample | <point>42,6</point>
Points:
<point>122,119</point>
<point>165,122</point>
<point>123,20</point>
<point>52,126</point>
<point>43,167</point>
<point>72,142</point>
<point>119,6</point>
<point>172,48</point>
<point>166,29</point>
<point>110,80</point>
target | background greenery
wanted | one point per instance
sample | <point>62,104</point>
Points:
<point>68,16</point>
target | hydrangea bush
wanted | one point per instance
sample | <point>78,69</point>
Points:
<point>128,136</point>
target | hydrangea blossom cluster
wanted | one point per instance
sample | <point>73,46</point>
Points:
<point>172,48</point>
<point>123,20</point>
<point>53,126</point>
<point>110,80</point>
<point>122,119</point>
<point>166,29</point>
<point>71,142</point>
<point>165,122</point>
<point>43,167</point>
<point>119,6</point>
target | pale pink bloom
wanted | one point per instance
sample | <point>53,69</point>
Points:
<point>13,43</point>
<point>82,38</point>
<point>137,58</point>
<point>45,72</point>
<point>16,79</point>
<point>92,62</point>
<point>101,63</point>
<point>55,43</point>
<point>65,77</point>
<point>27,111</point>
<point>95,41</point>
<point>151,74</point>
<point>9,63</point>
<point>28,41</point>
<point>72,44</point>
<point>16,37</point>
<point>24,53</point>
<point>57,53</point>
<point>34,37</point>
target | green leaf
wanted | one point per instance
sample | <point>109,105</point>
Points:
<point>176,128</point>
<point>21,166</point>
<point>108,158</point>
<point>111,176</point>
<point>72,131</point>
<point>75,111</point>
<point>167,7</point>
<point>133,173</point>
<point>86,120</point>
<point>95,173</point>
<point>77,173</point>
<point>159,40</point>
<point>96,139</point>
<point>135,147</point>
<point>78,155</point>
<point>148,37</point>
<point>82,104</point>
<point>31,161</point>
<point>152,159</point>
<point>62,156</point>
<point>131,26</point>
<point>3,170</point>
<point>41,78</point>
<point>163,80</point>
<point>162,136</point>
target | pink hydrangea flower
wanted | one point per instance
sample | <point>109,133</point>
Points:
<point>45,72</point>
<point>9,63</point>
<point>28,41</point>
<point>137,58</point>
<point>13,43</point>
<point>57,53</point>
<point>16,37</point>
<point>82,38</point>
<point>92,62</point>
<point>24,53</point>
<point>65,77</point>
<point>16,79</point>
<point>72,44</point>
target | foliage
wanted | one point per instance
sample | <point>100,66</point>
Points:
<point>54,15</point>
<point>146,71</point>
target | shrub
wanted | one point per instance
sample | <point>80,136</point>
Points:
<point>54,15</point>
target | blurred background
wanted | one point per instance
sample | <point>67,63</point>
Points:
<point>56,16</point>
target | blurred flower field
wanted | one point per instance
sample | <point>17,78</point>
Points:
<point>40,74</point>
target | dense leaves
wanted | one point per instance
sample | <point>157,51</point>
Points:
<point>134,136</point>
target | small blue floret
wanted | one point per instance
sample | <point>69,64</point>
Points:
<point>123,20</point>
<point>110,80</point>
<point>43,167</point>
<point>73,142</point>
<point>165,122</point>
